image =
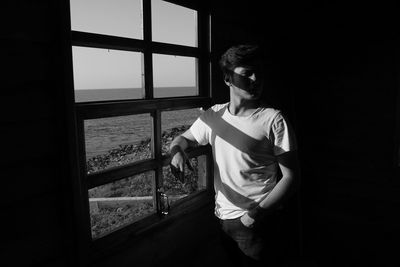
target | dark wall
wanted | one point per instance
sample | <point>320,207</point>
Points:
<point>34,169</point>
<point>345,98</point>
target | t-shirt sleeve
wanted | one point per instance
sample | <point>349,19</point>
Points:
<point>200,130</point>
<point>283,135</point>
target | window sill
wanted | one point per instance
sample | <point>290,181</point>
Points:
<point>138,231</point>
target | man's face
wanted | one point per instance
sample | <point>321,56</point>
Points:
<point>249,80</point>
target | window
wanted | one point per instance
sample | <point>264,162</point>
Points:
<point>140,77</point>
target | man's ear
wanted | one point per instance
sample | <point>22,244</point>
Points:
<point>227,80</point>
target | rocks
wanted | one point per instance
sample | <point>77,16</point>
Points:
<point>129,153</point>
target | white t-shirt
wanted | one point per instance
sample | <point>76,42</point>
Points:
<point>244,151</point>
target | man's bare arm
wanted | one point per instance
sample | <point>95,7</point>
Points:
<point>286,186</point>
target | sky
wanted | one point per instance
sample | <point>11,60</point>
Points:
<point>104,69</point>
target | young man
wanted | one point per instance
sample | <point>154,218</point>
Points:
<point>253,146</point>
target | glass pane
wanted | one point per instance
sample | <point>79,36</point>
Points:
<point>122,18</point>
<point>120,203</point>
<point>194,181</point>
<point>117,141</point>
<point>106,74</point>
<point>173,24</point>
<point>174,123</point>
<point>174,76</point>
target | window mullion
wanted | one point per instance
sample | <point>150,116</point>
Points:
<point>156,144</point>
<point>95,40</point>
<point>148,53</point>
<point>130,107</point>
<point>203,34</point>
<point>156,151</point>
<point>83,210</point>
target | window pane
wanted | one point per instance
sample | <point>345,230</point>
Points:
<point>120,203</point>
<point>194,181</point>
<point>116,141</point>
<point>173,24</point>
<point>118,17</point>
<point>174,123</point>
<point>174,76</point>
<point>106,74</point>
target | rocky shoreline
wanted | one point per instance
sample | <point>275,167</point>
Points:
<point>126,154</point>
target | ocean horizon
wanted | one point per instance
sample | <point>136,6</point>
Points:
<point>90,95</point>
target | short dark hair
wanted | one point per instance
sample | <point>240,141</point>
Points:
<point>240,55</point>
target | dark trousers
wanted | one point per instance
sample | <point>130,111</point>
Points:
<point>261,245</point>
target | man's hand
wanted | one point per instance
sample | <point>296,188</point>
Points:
<point>178,161</point>
<point>178,156</point>
<point>247,220</point>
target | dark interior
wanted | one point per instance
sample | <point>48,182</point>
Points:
<point>333,68</point>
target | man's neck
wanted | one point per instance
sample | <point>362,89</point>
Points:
<point>243,107</point>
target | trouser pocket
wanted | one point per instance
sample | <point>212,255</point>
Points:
<point>249,242</point>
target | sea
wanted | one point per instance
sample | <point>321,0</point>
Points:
<point>102,135</point>
<point>85,95</point>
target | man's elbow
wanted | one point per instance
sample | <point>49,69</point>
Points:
<point>293,179</point>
